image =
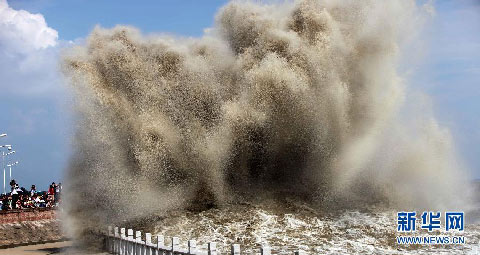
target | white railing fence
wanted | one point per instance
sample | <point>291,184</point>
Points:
<point>124,243</point>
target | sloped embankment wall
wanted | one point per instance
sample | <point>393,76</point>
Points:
<point>29,227</point>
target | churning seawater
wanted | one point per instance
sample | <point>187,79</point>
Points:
<point>294,225</point>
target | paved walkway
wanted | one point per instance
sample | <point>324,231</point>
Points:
<point>58,248</point>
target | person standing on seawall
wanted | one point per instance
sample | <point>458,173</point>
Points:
<point>57,193</point>
<point>51,193</point>
<point>14,193</point>
<point>33,191</point>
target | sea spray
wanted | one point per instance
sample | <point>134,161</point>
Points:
<point>299,99</point>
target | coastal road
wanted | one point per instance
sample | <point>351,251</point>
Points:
<point>57,248</point>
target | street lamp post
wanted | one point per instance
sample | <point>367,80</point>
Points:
<point>6,155</point>
<point>9,147</point>
<point>3,135</point>
<point>10,166</point>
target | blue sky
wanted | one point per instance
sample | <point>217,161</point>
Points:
<point>36,105</point>
<point>75,18</point>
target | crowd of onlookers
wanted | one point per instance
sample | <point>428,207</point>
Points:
<point>20,198</point>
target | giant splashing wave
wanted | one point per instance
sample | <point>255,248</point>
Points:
<point>300,99</point>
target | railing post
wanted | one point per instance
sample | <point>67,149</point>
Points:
<point>160,244</point>
<point>175,243</point>
<point>235,250</point>
<point>138,243</point>
<point>192,247</point>
<point>116,237</point>
<point>121,244</point>
<point>148,244</point>
<point>109,240</point>
<point>265,250</point>
<point>212,248</point>
<point>130,242</point>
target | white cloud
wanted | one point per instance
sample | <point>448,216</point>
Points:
<point>29,52</point>
<point>23,31</point>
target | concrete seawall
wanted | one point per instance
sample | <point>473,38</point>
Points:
<point>29,226</point>
<point>12,216</point>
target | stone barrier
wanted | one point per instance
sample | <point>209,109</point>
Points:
<point>12,216</point>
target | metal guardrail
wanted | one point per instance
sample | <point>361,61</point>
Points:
<point>124,243</point>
